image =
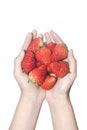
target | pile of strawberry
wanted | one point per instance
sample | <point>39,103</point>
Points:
<point>44,63</point>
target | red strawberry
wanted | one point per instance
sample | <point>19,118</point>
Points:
<point>35,44</point>
<point>51,46</point>
<point>43,55</point>
<point>28,62</point>
<point>37,75</point>
<point>60,69</point>
<point>60,52</point>
<point>49,82</point>
<point>38,63</point>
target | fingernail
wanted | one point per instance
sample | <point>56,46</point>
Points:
<point>51,31</point>
<point>40,36</point>
<point>34,31</point>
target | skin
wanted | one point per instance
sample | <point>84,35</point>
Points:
<point>32,97</point>
<point>62,113</point>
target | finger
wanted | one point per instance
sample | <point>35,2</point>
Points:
<point>55,37</point>
<point>41,36</point>
<point>72,62</point>
<point>66,60</point>
<point>27,41</point>
<point>34,32</point>
<point>17,62</point>
<point>47,37</point>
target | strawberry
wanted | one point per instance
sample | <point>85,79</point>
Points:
<point>38,74</point>
<point>49,82</point>
<point>43,55</point>
<point>38,63</point>
<point>35,44</point>
<point>60,69</point>
<point>60,52</point>
<point>28,62</point>
<point>51,46</point>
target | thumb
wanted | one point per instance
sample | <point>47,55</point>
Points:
<point>17,62</point>
<point>72,62</point>
<point>20,56</point>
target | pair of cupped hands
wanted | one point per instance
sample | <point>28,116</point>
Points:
<point>62,86</point>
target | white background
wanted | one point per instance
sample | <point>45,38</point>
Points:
<point>66,17</point>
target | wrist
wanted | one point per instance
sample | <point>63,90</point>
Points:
<point>58,100</point>
<point>31,98</point>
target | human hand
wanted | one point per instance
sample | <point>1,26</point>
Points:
<point>27,88</point>
<point>63,85</point>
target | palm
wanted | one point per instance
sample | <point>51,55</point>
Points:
<point>30,87</point>
<point>22,78</point>
<point>63,85</point>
